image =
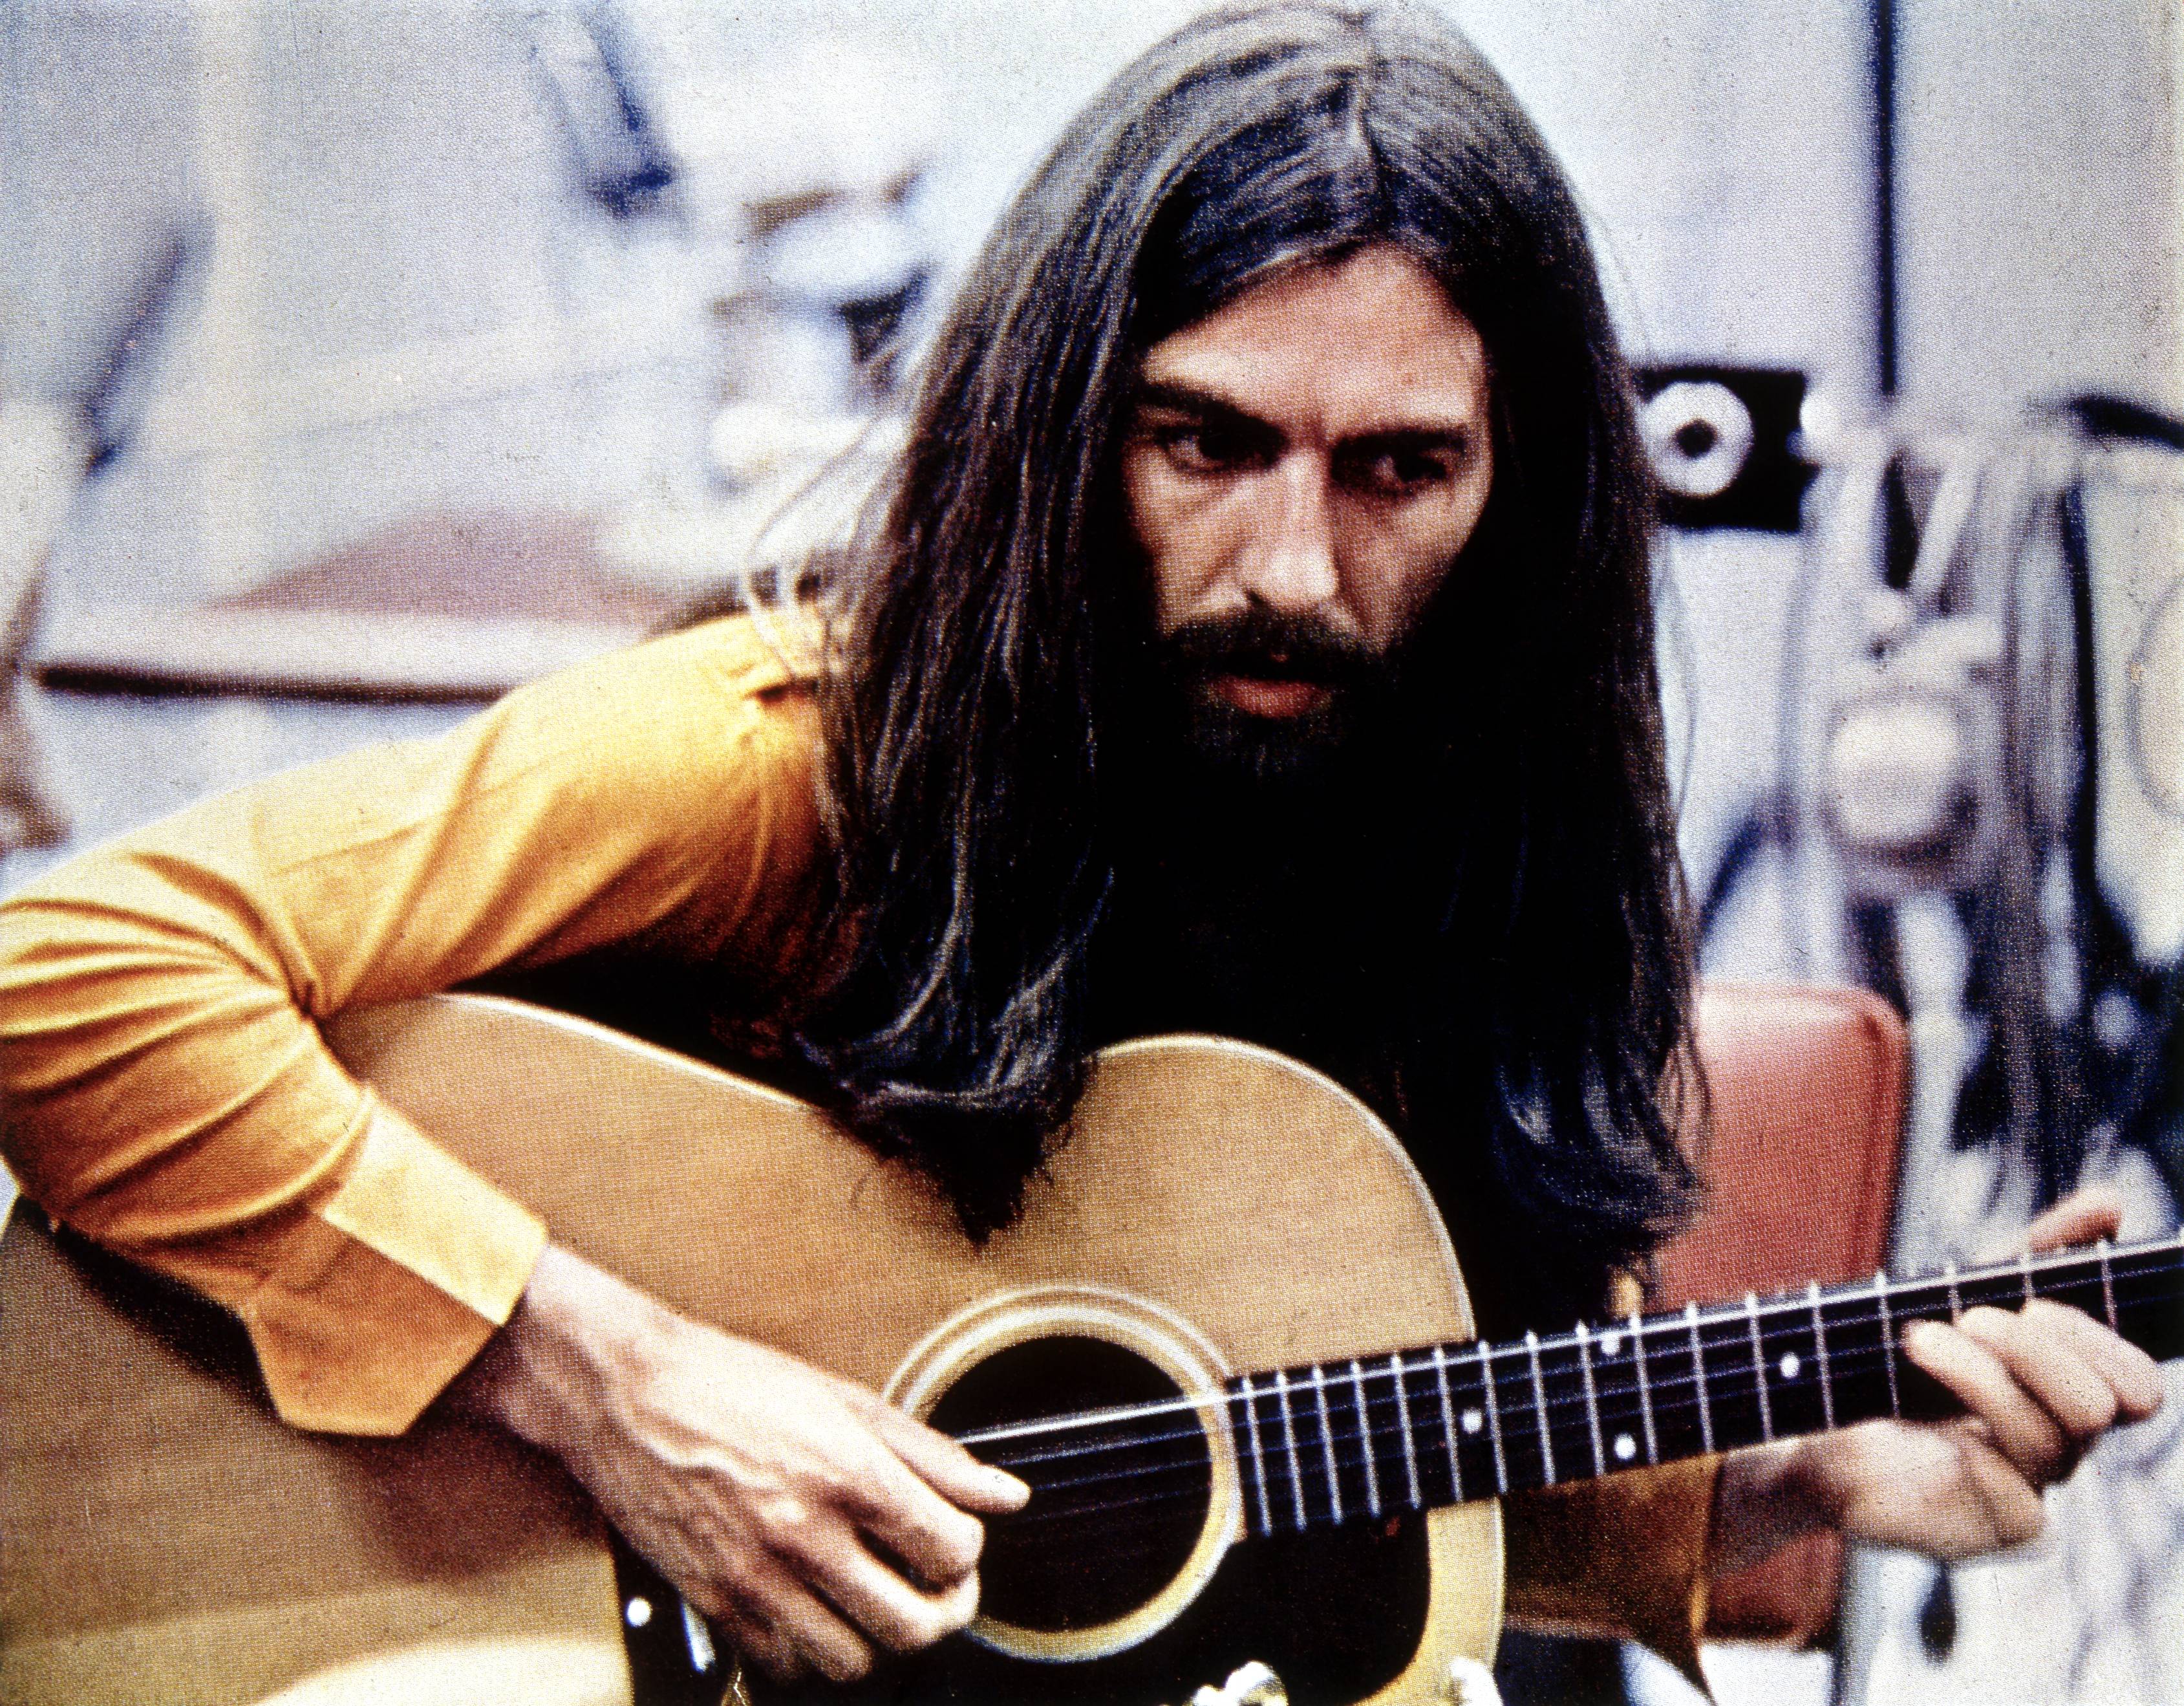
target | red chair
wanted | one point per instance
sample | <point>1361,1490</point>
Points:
<point>1807,1090</point>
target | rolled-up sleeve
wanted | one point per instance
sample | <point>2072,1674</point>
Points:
<point>166,1091</point>
<point>1626,1556</point>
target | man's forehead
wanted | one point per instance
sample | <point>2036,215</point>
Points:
<point>1371,339</point>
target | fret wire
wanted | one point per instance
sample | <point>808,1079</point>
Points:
<point>1698,1376</point>
<point>1956,1300</point>
<point>1820,1343</point>
<point>1258,1458</point>
<point>1759,1366</point>
<point>1365,1433</point>
<point>2107,1284</point>
<point>1540,1408</point>
<point>2025,1269</point>
<point>1887,1339</point>
<point>1397,1369</point>
<point>1645,1388</point>
<point>1288,1433</point>
<point>1493,1419</point>
<point>1327,1442</point>
<point>1448,1423</point>
<point>1592,1400</point>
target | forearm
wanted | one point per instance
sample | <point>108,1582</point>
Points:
<point>558,1374</point>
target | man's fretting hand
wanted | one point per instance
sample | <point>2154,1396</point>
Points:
<point>2039,1385</point>
<point>809,1519</point>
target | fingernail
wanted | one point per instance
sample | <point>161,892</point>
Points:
<point>1008,1486</point>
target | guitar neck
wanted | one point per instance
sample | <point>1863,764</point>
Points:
<point>1337,1442</point>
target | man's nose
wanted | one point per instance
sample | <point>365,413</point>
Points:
<point>1290,565</point>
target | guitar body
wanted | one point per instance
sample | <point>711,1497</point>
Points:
<point>1217,1209</point>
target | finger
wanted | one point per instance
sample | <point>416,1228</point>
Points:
<point>2081,1218</point>
<point>947,1467</point>
<point>890,1609</point>
<point>809,1631</point>
<point>936,1542</point>
<point>2011,1504</point>
<point>2046,1363</point>
<point>2133,1376</point>
<point>759,1643</point>
<point>2025,1432</point>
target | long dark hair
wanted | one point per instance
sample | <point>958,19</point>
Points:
<point>964,721</point>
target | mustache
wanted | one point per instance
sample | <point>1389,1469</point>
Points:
<point>1275,644</point>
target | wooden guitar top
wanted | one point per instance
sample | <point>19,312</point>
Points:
<point>163,1538</point>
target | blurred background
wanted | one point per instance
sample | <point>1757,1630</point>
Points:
<point>361,359</point>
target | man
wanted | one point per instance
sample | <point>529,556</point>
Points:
<point>1254,635</point>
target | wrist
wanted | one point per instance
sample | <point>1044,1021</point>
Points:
<point>549,1375</point>
<point>1768,1497</point>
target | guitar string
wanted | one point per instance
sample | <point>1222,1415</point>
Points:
<point>1377,1431</point>
<point>1732,1382</point>
<point>1147,1507</point>
<point>1610,1385</point>
<point>1733,1349</point>
<point>1855,1364</point>
<point>1346,1435</point>
<point>1673,1399</point>
<point>1734,1317</point>
<point>1139,1504</point>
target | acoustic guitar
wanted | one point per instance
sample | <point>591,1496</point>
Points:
<point>1227,1344</point>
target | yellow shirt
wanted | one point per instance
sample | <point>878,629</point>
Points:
<point>168,1094</point>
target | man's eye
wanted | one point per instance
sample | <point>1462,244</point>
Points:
<point>1400,469</point>
<point>1204,447</point>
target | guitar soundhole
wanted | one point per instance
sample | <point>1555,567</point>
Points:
<point>1117,1505</point>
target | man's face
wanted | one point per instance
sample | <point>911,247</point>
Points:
<point>1301,468</point>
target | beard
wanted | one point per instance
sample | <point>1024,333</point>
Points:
<point>1268,870</point>
<point>1226,743</point>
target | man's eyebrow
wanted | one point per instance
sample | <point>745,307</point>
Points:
<point>1432,429</point>
<point>1188,399</point>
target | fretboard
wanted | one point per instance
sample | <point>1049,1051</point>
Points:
<point>1330,1442</point>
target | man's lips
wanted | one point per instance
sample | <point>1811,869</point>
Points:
<point>1259,695</point>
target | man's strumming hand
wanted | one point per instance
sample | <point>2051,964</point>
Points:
<point>810,1520</point>
<point>2039,1385</point>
